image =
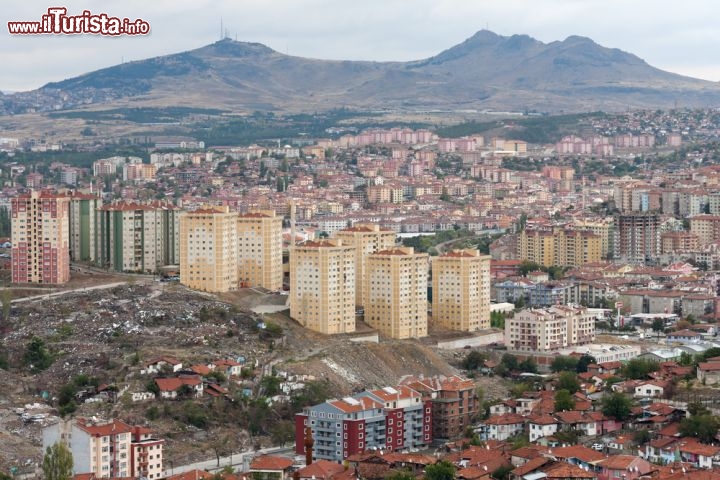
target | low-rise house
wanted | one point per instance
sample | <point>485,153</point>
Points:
<point>699,454</point>
<point>652,389</point>
<point>708,373</point>
<point>320,470</point>
<point>589,423</point>
<point>577,455</point>
<point>171,388</point>
<point>683,336</point>
<point>230,368</point>
<point>626,467</point>
<point>502,427</point>
<point>155,366</point>
<point>542,426</point>
<point>270,467</point>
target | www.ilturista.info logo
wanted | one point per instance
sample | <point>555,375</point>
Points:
<point>57,21</point>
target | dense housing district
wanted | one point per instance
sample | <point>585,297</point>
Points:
<point>572,287</point>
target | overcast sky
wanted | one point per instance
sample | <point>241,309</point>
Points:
<point>678,36</point>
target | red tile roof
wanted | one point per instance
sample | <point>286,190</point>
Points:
<point>321,470</point>
<point>270,463</point>
<point>103,429</point>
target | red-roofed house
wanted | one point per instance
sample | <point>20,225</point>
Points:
<point>627,467</point>
<point>709,373</point>
<point>271,467</point>
<point>320,470</point>
<point>170,387</point>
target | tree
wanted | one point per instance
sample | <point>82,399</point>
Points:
<point>583,362</point>
<point>6,299</point>
<point>639,368</point>
<point>509,361</point>
<point>473,360</point>
<point>658,325</point>
<point>702,427</point>
<point>528,365</point>
<point>617,406</point>
<point>564,401</point>
<point>568,381</point>
<point>37,356</point>
<point>562,363</point>
<point>57,462</point>
<point>443,470</point>
<point>641,437</point>
<point>397,474</point>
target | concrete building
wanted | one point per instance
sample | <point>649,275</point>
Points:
<point>396,292</point>
<point>137,237</point>
<point>108,448</point>
<point>549,329</point>
<point>40,238</point>
<point>639,237</point>
<point>341,428</point>
<point>559,246</point>
<point>259,236</point>
<point>452,401</point>
<point>322,285</point>
<point>83,226</point>
<point>461,290</point>
<point>367,238</point>
<point>706,227</point>
<point>600,227</point>
<point>208,249</point>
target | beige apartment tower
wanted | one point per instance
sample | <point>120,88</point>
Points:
<point>259,236</point>
<point>40,238</point>
<point>367,238</point>
<point>322,286</point>
<point>396,292</point>
<point>208,249</point>
<point>461,290</point>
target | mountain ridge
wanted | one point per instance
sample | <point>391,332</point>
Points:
<point>485,71</point>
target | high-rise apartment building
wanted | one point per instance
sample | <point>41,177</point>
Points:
<point>108,448</point>
<point>706,227</point>
<point>367,238</point>
<point>639,237</point>
<point>322,285</point>
<point>549,329</point>
<point>559,246</point>
<point>396,292</point>
<point>208,249</point>
<point>40,238</point>
<point>259,236</point>
<point>137,237</point>
<point>461,290</point>
<point>83,226</point>
<point>602,227</point>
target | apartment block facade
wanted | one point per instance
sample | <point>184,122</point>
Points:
<point>461,290</point>
<point>706,227</point>
<point>108,448</point>
<point>40,238</point>
<point>559,246</point>
<point>452,402</point>
<point>322,286</point>
<point>396,282</point>
<point>341,428</point>
<point>367,238</point>
<point>639,237</point>
<point>259,237</point>
<point>208,249</point>
<point>388,419</point>
<point>137,237</point>
<point>549,329</point>
<point>83,226</point>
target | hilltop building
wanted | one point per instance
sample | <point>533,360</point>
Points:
<point>461,290</point>
<point>40,238</point>
<point>322,285</point>
<point>396,292</point>
<point>367,238</point>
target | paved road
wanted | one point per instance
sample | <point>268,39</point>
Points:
<point>47,296</point>
<point>239,461</point>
